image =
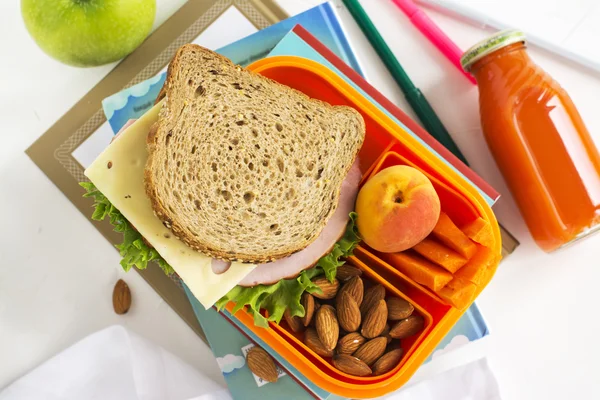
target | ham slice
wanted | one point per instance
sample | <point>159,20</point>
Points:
<point>291,266</point>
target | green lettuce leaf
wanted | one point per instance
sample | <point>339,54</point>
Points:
<point>276,298</point>
<point>134,251</point>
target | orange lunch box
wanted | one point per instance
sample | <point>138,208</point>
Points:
<point>386,144</point>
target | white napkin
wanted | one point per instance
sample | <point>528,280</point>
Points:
<point>114,364</point>
<point>474,381</point>
<point>117,364</point>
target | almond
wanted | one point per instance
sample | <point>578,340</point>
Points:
<point>355,288</point>
<point>294,323</point>
<point>328,289</point>
<point>375,320</point>
<point>308,302</point>
<point>387,362</point>
<point>348,313</point>
<point>345,272</point>
<point>372,350</point>
<point>398,308</point>
<point>351,365</point>
<point>327,326</point>
<point>350,343</point>
<point>311,339</point>
<point>261,364</point>
<point>407,327</point>
<point>386,333</point>
<point>372,296</point>
<point>121,297</point>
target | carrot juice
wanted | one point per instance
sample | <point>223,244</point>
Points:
<point>538,140</point>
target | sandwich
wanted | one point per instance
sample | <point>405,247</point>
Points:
<point>242,186</point>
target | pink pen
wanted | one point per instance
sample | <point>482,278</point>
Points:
<point>434,34</point>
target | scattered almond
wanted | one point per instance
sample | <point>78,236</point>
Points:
<point>294,323</point>
<point>372,296</point>
<point>348,313</point>
<point>261,364</point>
<point>345,272</point>
<point>350,343</point>
<point>308,302</point>
<point>372,350</point>
<point>375,320</point>
<point>121,297</point>
<point>311,339</point>
<point>387,362</point>
<point>327,326</point>
<point>407,327</point>
<point>398,308</point>
<point>351,365</point>
<point>355,288</point>
<point>328,289</point>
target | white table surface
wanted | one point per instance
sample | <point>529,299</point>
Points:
<point>57,271</point>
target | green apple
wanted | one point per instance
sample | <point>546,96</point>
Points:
<point>87,33</point>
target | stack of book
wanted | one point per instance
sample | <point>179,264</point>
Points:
<point>316,34</point>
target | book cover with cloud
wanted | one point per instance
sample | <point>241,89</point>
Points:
<point>230,346</point>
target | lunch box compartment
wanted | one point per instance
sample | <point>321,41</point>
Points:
<point>408,345</point>
<point>452,202</point>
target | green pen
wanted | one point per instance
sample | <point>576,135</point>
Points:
<point>413,95</point>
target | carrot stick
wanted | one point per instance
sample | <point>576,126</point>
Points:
<point>474,270</point>
<point>440,255</point>
<point>420,270</point>
<point>447,233</point>
<point>459,293</point>
<point>480,231</point>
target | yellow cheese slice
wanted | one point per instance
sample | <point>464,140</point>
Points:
<point>119,174</point>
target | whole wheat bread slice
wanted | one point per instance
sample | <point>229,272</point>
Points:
<point>241,167</point>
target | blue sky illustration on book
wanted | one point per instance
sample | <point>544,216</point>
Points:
<point>229,346</point>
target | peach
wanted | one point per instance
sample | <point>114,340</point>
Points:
<point>397,208</point>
